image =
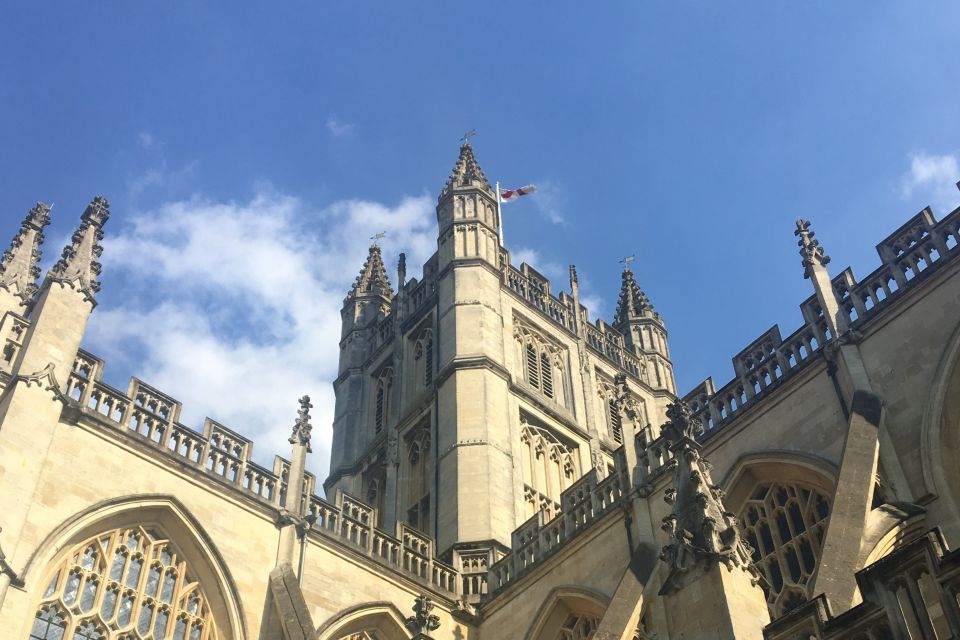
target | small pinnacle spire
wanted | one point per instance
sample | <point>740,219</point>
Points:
<point>810,249</point>
<point>78,266</point>
<point>18,267</point>
<point>633,302</point>
<point>466,172</point>
<point>373,276</point>
<point>302,426</point>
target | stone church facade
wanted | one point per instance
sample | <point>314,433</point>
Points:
<point>503,466</point>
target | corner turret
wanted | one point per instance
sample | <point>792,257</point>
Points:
<point>370,295</point>
<point>643,330</point>
<point>19,268</point>
<point>467,214</point>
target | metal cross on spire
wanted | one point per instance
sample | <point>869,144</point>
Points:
<point>377,237</point>
<point>466,137</point>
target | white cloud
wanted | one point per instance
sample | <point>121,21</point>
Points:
<point>553,270</point>
<point>146,140</point>
<point>234,307</point>
<point>933,177</point>
<point>339,128</point>
<point>550,201</point>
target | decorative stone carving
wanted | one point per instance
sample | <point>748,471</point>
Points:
<point>633,302</point>
<point>373,277</point>
<point>393,449</point>
<point>19,268</point>
<point>302,427</point>
<point>422,620</point>
<point>701,530</point>
<point>810,250</point>
<point>78,267</point>
<point>45,378</point>
<point>466,172</point>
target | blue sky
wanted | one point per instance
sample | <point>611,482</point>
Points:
<point>249,150</point>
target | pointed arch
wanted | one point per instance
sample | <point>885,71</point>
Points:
<point>783,501</point>
<point>567,611</point>
<point>372,620</point>
<point>940,428</point>
<point>168,514</point>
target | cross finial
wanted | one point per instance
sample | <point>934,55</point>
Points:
<point>626,260</point>
<point>466,137</point>
<point>377,237</point>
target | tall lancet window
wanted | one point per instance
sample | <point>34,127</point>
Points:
<point>131,579</point>
<point>418,479</point>
<point>542,364</point>
<point>423,358</point>
<point>549,467</point>
<point>381,401</point>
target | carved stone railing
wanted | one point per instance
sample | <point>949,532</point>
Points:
<point>917,248</point>
<point>410,552</point>
<point>13,329</point>
<point>153,416</point>
<point>535,289</point>
<point>601,338</point>
<point>911,593</point>
<point>582,504</point>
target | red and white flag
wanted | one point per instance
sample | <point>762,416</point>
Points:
<point>509,195</point>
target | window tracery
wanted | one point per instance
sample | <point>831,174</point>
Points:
<point>785,525</point>
<point>129,583</point>
<point>578,627</point>
<point>543,367</point>
<point>549,468</point>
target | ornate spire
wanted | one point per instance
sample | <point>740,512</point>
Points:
<point>78,266</point>
<point>422,620</point>
<point>302,426</point>
<point>810,249</point>
<point>373,276</point>
<point>466,172</point>
<point>18,268</point>
<point>701,529</point>
<point>633,302</point>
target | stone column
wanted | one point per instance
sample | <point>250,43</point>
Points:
<point>293,527</point>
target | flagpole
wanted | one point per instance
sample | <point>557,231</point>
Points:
<point>499,215</point>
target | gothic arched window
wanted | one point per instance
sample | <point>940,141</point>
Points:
<point>578,627</point>
<point>549,468</point>
<point>129,579</point>
<point>418,486</point>
<point>381,410</point>
<point>423,357</point>
<point>785,524</point>
<point>542,365</point>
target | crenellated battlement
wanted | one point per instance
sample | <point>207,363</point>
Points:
<point>908,255</point>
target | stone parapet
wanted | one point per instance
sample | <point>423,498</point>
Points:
<point>582,504</point>
<point>909,255</point>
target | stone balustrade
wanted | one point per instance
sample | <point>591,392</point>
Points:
<point>914,592</point>
<point>352,522</point>
<point>217,451</point>
<point>582,504</point>
<point>908,254</point>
